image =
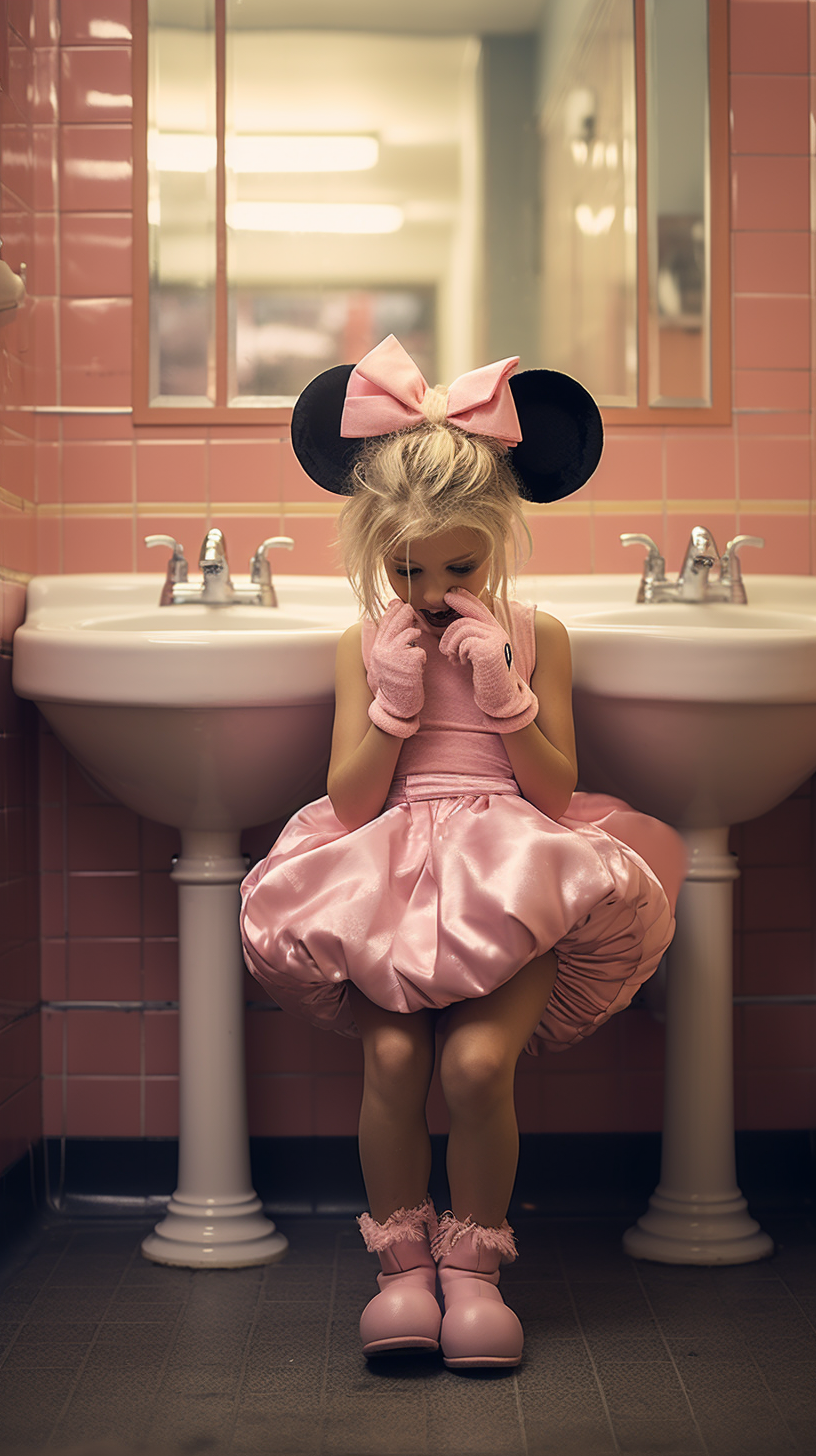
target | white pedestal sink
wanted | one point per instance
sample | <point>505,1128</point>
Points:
<point>213,719</point>
<point>704,716</point>
<point>210,719</point>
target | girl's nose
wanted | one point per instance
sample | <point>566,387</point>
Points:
<point>434,597</point>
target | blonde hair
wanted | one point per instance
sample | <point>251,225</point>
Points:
<point>420,482</point>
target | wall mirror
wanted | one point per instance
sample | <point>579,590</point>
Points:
<point>539,181</point>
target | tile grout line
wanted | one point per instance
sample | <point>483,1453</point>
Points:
<point>757,1367</point>
<point>675,1367</point>
<point>24,1318</point>
<point>84,1363</point>
<point>263,1284</point>
<point>329,1322</point>
<point>797,1302</point>
<point>590,1355</point>
<point>171,1345</point>
<point>520,1412</point>
<point>782,1416</point>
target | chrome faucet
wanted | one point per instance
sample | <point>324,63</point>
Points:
<point>693,583</point>
<point>701,555</point>
<point>216,588</point>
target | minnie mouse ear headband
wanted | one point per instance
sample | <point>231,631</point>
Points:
<point>550,423</point>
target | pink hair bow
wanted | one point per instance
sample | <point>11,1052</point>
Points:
<point>385,393</point>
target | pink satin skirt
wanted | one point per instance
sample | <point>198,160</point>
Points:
<point>451,890</point>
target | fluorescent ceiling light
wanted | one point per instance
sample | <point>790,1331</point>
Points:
<point>594,224</point>
<point>314,217</point>
<point>109,98</point>
<point>177,152</point>
<point>302,153</point>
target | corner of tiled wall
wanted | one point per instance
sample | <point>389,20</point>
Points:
<point>20,1116</point>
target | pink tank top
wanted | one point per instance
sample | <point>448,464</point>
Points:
<point>454,735</point>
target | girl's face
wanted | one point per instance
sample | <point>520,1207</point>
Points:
<point>421,572</point>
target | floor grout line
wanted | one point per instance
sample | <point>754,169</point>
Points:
<point>329,1325</point>
<point>760,1372</point>
<point>24,1318</point>
<point>520,1413</point>
<point>590,1355</point>
<point>263,1283</point>
<point>84,1363</point>
<point>703,1443</point>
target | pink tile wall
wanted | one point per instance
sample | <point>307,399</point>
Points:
<point>20,1111</point>
<point>107,905</point>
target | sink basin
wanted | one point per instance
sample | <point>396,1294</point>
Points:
<point>202,717</point>
<point>104,639</point>
<point>171,709</point>
<point>677,704</point>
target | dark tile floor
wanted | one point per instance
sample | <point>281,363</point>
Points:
<point>105,1354</point>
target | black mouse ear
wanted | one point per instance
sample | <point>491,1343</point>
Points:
<point>327,458</point>
<point>562,434</point>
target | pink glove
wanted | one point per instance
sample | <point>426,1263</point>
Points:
<point>395,672</point>
<point>476,637</point>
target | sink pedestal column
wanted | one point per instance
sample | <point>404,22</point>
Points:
<point>214,1219</point>
<point>697,1214</point>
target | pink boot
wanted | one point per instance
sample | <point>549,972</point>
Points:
<point>478,1328</point>
<point>405,1314</point>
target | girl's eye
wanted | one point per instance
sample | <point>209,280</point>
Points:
<point>462,570</point>
<point>402,571</point>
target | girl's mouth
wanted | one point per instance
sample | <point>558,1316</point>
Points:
<point>440,619</point>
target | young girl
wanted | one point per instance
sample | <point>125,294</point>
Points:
<point>451,886</point>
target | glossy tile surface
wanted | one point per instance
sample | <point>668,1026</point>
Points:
<point>101,1351</point>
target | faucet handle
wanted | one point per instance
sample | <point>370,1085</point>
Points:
<point>730,555</point>
<point>260,572</point>
<point>654,561</point>
<point>731,566</point>
<point>654,567</point>
<point>259,566</point>
<point>177,565</point>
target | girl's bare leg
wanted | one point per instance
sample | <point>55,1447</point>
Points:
<point>395,1148</point>
<point>483,1041</point>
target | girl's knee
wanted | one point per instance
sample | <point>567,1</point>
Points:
<point>396,1057</point>
<point>476,1073</point>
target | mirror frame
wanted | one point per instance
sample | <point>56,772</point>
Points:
<point>719,410</point>
<point>717,413</point>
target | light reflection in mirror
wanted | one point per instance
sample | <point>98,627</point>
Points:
<point>325,260</point>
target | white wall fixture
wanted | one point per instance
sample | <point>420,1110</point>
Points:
<point>210,719</point>
<point>675,706</point>
<point>12,292</point>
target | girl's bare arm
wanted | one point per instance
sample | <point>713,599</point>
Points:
<point>542,755</point>
<point>363,757</point>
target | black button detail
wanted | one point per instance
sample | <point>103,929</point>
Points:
<point>508,655</point>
